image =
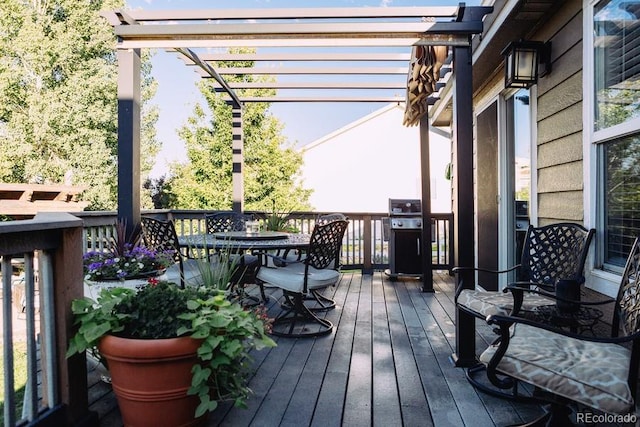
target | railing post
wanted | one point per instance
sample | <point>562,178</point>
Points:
<point>367,267</point>
<point>68,285</point>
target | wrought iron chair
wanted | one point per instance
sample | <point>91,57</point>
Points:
<point>601,373</point>
<point>247,264</point>
<point>161,236</point>
<point>550,253</point>
<point>316,271</point>
<point>226,221</point>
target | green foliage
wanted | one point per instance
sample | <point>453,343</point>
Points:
<point>229,331</point>
<point>271,166</point>
<point>162,310</point>
<point>58,116</point>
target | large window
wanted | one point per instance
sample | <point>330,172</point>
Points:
<point>616,66</point>
<point>621,197</point>
<point>617,62</point>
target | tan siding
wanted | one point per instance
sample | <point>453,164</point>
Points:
<point>565,122</point>
<point>563,150</point>
<point>559,120</point>
<point>564,95</point>
<point>566,177</point>
<point>556,207</point>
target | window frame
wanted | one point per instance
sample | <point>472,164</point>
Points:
<point>596,140</point>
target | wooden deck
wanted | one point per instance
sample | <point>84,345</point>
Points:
<point>386,364</point>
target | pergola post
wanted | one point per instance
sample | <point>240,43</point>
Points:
<point>425,174</point>
<point>129,137</point>
<point>463,205</point>
<point>238,158</point>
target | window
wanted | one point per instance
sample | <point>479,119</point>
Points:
<point>616,91</point>
<point>621,197</point>
<point>616,62</point>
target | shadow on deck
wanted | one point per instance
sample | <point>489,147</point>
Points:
<point>386,363</point>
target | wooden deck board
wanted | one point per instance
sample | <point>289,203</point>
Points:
<point>386,363</point>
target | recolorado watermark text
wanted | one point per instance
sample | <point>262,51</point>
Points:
<point>591,418</point>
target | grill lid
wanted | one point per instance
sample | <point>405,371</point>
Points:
<point>405,207</point>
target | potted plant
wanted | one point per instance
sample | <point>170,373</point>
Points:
<point>206,337</point>
<point>125,264</point>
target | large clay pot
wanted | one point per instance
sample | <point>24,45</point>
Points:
<point>150,379</point>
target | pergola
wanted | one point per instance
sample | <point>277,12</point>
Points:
<point>411,49</point>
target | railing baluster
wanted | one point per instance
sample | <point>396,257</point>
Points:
<point>7,354</point>
<point>30,409</point>
<point>49,335</point>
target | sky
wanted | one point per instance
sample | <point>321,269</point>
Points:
<point>303,122</point>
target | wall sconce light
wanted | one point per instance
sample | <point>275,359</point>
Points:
<point>522,60</point>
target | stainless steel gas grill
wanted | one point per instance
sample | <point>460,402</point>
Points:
<point>405,233</point>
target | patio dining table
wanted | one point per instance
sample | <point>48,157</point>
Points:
<point>245,240</point>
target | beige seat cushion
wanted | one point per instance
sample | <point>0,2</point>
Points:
<point>291,277</point>
<point>594,374</point>
<point>497,302</point>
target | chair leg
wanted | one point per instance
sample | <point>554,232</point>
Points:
<point>321,302</point>
<point>473,374</point>
<point>296,320</point>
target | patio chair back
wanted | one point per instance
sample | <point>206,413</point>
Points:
<point>553,252</point>
<point>161,236</point>
<point>325,244</point>
<point>226,221</point>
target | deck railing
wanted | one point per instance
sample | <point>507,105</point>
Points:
<point>36,319</point>
<point>365,245</point>
<point>49,250</point>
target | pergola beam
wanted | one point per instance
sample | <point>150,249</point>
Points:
<point>210,72</point>
<point>319,85</point>
<point>158,42</point>
<point>307,57</point>
<point>367,71</point>
<point>294,13</point>
<point>272,99</point>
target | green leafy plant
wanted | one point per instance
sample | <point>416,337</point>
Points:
<point>161,309</point>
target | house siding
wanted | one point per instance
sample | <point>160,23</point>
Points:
<point>559,121</point>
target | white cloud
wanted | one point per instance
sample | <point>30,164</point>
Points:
<point>385,3</point>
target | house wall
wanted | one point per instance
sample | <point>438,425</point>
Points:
<point>359,167</point>
<point>559,120</point>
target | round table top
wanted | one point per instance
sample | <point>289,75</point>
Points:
<point>248,235</point>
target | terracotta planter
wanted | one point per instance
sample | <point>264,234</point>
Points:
<point>150,379</point>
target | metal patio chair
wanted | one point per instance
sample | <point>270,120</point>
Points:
<point>161,236</point>
<point>550,253</point>
<point>571,369</point>
<point>315,271</point>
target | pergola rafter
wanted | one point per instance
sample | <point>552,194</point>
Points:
<point>318,43</point>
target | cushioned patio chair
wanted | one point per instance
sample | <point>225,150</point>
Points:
<point>161,236</point>
<point>550,253</point>
<point>571,369</point>
<point>314,272</point>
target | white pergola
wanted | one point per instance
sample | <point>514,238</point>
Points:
<point>364,54</point>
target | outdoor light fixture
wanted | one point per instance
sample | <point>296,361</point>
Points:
<point>522,59</point>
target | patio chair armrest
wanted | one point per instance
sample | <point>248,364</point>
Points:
<point>485,270</point>
<point>505,322</point>
<point>460,286</point>
<point>518,289</point>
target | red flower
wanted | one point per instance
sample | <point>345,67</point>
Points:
<point>153,281</point>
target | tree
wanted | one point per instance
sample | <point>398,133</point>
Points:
<point>271,165</point>
<point>58,115</point>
